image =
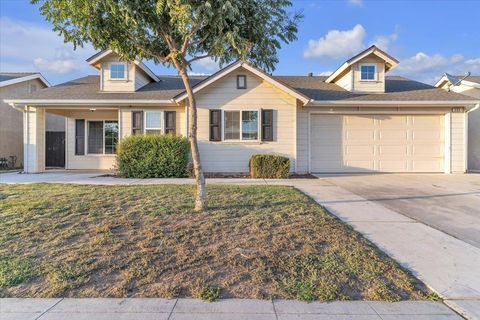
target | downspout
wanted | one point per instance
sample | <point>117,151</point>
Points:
<point>466,135</point>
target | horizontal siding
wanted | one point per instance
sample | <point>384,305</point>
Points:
<point>234,156</point>
<point>457,132</point>
<point>117,85</point>
<point>302,140</point>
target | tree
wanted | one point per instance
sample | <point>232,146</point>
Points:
<point>177,33</point>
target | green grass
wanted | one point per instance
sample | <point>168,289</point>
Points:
<point>146,241</point>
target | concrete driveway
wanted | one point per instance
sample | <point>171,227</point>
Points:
<point>449,203</point>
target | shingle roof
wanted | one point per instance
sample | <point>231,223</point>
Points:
<point>5,76</point>
<point>314,87</point>
<point>470,78</point>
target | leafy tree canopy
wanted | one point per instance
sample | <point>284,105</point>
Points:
<point>178,32</point>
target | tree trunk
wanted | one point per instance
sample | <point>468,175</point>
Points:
<point>192,136</point>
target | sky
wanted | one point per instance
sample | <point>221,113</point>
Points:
<point>427,37</point>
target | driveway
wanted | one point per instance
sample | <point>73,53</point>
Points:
<point>449,203</point>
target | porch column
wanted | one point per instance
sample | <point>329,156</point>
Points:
<point>34,140</point>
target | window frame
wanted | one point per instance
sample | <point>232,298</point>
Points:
<point>244,81</point>
<point>374,65</point>
<point>162,119</point>
<point>87,136</point>
<point>259,122</point>
<point>125,75</point>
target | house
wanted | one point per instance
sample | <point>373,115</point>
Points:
<point>469,86</point>
<point>15,85</point>
<point>358,119</point>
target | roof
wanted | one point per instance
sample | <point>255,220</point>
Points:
<point>475,79</point>
<point>314,87</point>
<point>390,62</point>
<point>472,81</point>
<point>9,78</point>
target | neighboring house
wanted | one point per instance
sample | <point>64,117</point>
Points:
<point>14,85</point>
<point>469,86</point>
<point>356,120</point>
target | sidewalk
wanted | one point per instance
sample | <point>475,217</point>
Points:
<point>230,309</point>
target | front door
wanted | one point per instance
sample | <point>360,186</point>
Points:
<point>55,149</point>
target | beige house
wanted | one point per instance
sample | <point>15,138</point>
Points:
<point>356,120</point>
<point>469,86</point>
<point>15,85</point>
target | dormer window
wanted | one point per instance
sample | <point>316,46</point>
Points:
<point>118,71</point>
<point>368,72</point>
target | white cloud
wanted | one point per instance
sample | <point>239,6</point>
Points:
<point>39,49</point>
<point>207,64</point>
<point>430,68</point>
<point>337,44</point>
<point>356,3</point>
<point>384,41</point>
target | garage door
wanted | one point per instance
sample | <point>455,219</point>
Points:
<point>386,143</point>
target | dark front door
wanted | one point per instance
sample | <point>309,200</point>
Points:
<point>55,149</point>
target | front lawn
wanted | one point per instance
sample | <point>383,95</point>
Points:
<point>145,241</point>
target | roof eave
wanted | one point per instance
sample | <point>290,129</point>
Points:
<point>88,102</point>
<point>26,78</point>
<point>394,102</point>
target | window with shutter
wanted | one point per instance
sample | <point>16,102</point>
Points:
<point>137,122</point>
<point>79,137</point>
<point>170,122</point>
<point>215,125</point>
<point>267,125</point>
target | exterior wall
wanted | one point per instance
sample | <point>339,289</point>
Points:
<point>223,156</point>
<point>456,132</point>
<point>346,81</point>
<point>457,136</point>
<point>93,161</point>
<point>473,127</point>
<point>11,120</point>
<point>369,86</point>
<point>34,140</point>
<point>126,119</point>
<point>141,79</point>
<point>54,123</point>
<point>136,78</point>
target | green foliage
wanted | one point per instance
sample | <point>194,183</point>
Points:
<point>15,271</point>
<point>269,166</point>
<point>174,32</point>
<point>153,156</point>
<point>210,294</point>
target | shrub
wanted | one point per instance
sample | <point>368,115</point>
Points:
<point>153,156</point>
<point>269,166</point>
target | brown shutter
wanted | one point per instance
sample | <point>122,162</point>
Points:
<point>170,117</point>
<point>267,125</point>
<point>215,125</point>
<point>137,122</point>
<point>79,137</point>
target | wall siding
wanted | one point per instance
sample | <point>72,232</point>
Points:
<point>117,85</point>
<point>302,140</point>
<point>34,140</point>
<point>369,86</point>
<point>234,156</point>
<point>457,137</point>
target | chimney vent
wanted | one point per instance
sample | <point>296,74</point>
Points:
<point>310,74</point>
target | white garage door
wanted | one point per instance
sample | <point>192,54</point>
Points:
<point>386,143</point>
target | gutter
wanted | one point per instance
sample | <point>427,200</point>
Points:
<point>88,102</point>
<point>397,103</point>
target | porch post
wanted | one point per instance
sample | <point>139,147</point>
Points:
<point>34,140</point>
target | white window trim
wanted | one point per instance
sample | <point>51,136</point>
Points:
<point>162,119</point>
<point>374,65</point>
<point>103,138</point>
<point>259,123</point>
<point>110,71</point>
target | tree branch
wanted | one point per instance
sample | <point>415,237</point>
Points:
<point>192,32</point>
<point>198,58</point>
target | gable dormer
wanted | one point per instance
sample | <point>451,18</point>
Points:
<point>117,75</point>
<point>365,72</point>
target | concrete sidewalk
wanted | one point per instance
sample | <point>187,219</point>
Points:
<point>231,309</point>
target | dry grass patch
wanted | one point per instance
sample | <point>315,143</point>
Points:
<point>145,241</point>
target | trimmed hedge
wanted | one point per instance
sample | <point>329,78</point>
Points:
<point>269,166</point>
<point>153,156</point>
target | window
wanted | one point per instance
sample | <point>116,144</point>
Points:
<point>79,137</point>
<point>117,71</point>
<point>102,137</point>
<point>153,122</point>
<point>32,88</point>
<point>241,125</point>
<point>249,125</point>
<point>241,82</point>
<point>111,136</point>
<point>367,72</point>
<point>267,125</point>
<point>137,122</point>
<point>170,118</point>
<point>215,125</point>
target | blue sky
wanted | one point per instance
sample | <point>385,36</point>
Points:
<point>428,37</point>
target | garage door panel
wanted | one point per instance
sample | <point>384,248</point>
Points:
<point>390,143</point>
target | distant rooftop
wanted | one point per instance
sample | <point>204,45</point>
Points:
<point>5,76</point>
